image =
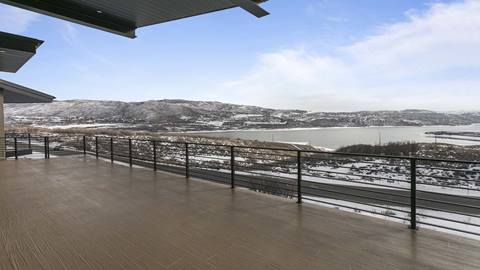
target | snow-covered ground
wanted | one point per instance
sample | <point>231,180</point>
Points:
<point>35,155</point>
<point>90,125</point>
<point>455,221</point>
<point>387,181</point>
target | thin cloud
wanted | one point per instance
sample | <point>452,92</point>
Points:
<point>316,7</point>
<point>15,20</point>
<point>69,33</point>
<point>429,61</point>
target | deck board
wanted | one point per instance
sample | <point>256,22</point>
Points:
<point>76,213</point>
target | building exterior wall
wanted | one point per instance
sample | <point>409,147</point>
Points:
<point>2,128</point>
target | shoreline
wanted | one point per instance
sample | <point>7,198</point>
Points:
<point>312,128</point>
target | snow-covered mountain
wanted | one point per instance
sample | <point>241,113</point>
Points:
<point>148,111</point>
<point>181,115</point>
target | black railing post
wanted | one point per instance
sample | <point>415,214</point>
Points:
<point>299,177</point>
<point>130,152</point>
<point>29,141</point>
<point>413,194</point>
<point>45,147</point>
<point>84,145</point>
<point>48,147</point>
<point>16,148</point>
<point>187,169</point>
<point>111,149</point>
<point>154,155</point>
<point>96,147</point>
<point>232,166</point>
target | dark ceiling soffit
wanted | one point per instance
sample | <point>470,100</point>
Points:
<point>190,16</point>
<point>90,17</point>
<point>19,43</point>
<point>16,50</point>
<point>77,13</point>
<point>21,93</point>
<point>252,7</point>
<point>12,60</point>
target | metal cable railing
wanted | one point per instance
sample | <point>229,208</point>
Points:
<point>419,191</point>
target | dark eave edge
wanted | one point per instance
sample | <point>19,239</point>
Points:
<point>81,15</point>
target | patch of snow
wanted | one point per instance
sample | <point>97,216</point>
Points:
<point>389,213</point>
<point>93,125</point>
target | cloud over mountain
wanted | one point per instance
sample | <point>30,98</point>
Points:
<point>430,61</point>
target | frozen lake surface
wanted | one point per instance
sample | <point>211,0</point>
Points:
<point>338,137</point>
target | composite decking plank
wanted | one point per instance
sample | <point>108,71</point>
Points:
<point>80,213</point>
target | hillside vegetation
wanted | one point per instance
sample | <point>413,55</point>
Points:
<point>427,150</point>
<point>185,115</point>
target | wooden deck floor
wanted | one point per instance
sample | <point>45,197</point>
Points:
<point>72,213</point>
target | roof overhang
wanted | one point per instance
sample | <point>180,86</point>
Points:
<point>123,17</point>
<point>16,50</point>
<point>14,93</point>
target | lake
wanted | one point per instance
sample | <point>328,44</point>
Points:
<point>342,136</point>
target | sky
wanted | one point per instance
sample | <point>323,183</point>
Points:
<point>317,55</point>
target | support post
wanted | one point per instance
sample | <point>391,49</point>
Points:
<point>413,194</point>
<point>130,152</point>
<point>154,155</point>
<point>48,147</point>
<point>15,147</point>
<point>84,145</point>
<point>45,150</point>
<point>29,141</point>
<point>299,177</point>
<point>187,169</point>
<point>111,149</point>
<point>3,139</point>
<point>96,147</point>
<point>232,166</point>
